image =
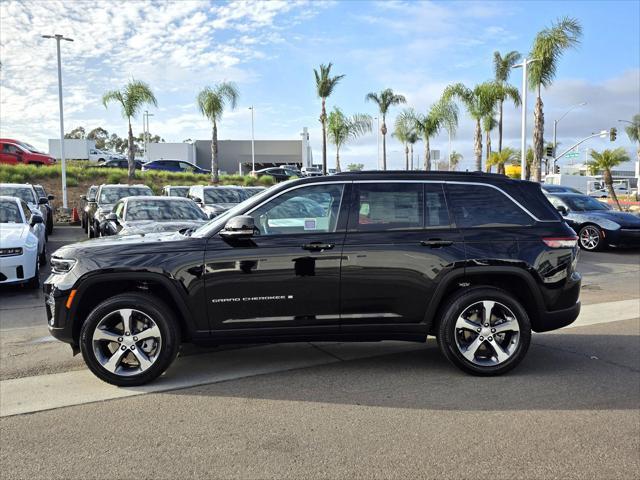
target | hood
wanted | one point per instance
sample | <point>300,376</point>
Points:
<point>13,234</point>
<point>153,226</point>
<point>624,219</point>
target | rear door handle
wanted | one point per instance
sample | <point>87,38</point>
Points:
<point>317,246</point>
<point>436,243</point>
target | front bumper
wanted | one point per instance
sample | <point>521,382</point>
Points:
<point>18,268</point>
<point>58,319</point>
<point>623,237</point>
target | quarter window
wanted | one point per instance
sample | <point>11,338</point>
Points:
<point>312,209</point>
<point>389,206</point>
<point>482,206</point>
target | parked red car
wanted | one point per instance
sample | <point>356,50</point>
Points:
<point>15,152</point>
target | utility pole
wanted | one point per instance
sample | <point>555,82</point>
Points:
<point>63,163</point>
<point>145,133</point>
<point>523,134</point>
<point>378,144</point>
<point>253,148</point>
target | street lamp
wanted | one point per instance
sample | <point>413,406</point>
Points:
<point>253,148</point>
<point>555,127</point>
<point>378,143</point>
<point>59,37</point>
<point>145,132</point>
<point>523,140</point>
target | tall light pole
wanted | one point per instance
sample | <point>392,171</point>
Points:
<point>145,132</point>
<point>59,37</point>
<point>378,143</point>
<point>523,139</point>
<point>555,129</point>
<point>253,147</point>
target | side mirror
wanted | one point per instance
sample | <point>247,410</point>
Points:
<point>198,200</point>
<point>239,227</point>
<point>83,197</point>
<point>112,217</point>
<point>51,197</point>
<point>35,219</point>
<point>561,209</point>
<point>91,199</point>
<point>43,201</point>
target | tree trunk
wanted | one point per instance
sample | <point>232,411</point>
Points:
<point>488,150</point>
<point>338,159</point>
<point>323,121</point>
<point>500,127</point>
<point>132,155</point>
<point>427,154</point>
<point>608,181</point>
<point>383,130</point>
<point>477,146</point>
<point>215,174</point>
<point>538,138</point>
<point>406,157</point>
<point>412,157</point>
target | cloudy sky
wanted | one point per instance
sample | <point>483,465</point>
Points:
<point>270,49</point>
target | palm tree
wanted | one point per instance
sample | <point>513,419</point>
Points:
<point>502,68</point>
<point>499,159</point>
<point>212,103</point>
<point>548,47</point>
<point>488,124</point>
<point>633,132</point>
<point>412,139</point>
<point>341,129</point>
<point>479,102</point>
<point>131,98</point>
<point>385,100</point>
<point>604,162</point>
<point>325,84</point>
<point>403,128</point>
<point>454,160</point>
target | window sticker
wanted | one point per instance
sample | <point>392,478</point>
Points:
<point>309,223</point>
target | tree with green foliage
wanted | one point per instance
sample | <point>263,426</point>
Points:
<point>548,47</point>
<point>412,139</point>
<point>384,100</point>
<point>131,98</point>
<point>100,136</point>
<point>212,103</point>
<point>355,167</point>
<point>77,133</point>
<point>325,84</point>
<point>633,132</point>
<point>479,103</point>
<point>342,128</point>
<point>500,159</point>
<point>454,160</point>
<point>502,68</point>
<point>488,124</point>
<point>404,126</point>
<point>604,162</point>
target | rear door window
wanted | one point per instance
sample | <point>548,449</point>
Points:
<point>484,206</point>
<point>388,206</point>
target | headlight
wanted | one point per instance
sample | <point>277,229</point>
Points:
<point>62,265</point>
<point>10,252</point>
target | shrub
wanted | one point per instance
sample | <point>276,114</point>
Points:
<point>266,180</point>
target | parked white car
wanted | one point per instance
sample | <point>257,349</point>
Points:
<point>22,243</point>
<point>26,192</point>
<point>100,156</point>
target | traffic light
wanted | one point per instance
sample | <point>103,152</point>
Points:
<point>549,152</point>
<point>612,134</point>
<point>556,169</point>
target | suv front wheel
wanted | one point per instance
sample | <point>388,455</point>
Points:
<point>484,331</point>
<point>129,339</point>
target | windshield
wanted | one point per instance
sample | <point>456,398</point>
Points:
<point>223,195</point>
<point>583,203</point>
<point>9,212</point>
<point>25,193</point>
<point>163,210</point>
<point>179,191</point>
<point>219,221</point>
<point>29,147</point>
<point>113,194</point>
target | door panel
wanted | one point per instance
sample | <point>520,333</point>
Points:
<point>288,275</point>
<point>389,271</point>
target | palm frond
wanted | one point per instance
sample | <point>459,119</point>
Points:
<point>502,65</point>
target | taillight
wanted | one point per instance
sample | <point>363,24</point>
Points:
<point>561,242</point>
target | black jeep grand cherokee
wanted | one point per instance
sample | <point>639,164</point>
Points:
<point>478,260</point>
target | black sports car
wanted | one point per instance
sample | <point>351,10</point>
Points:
<point>595,223</point>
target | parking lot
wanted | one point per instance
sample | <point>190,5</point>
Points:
<point>331,410</point>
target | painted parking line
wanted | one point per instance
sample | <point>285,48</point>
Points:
<point>46,392</point>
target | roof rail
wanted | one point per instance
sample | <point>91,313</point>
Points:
<point>418,172</point>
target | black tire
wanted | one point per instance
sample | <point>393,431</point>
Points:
<point>34,283</point>
<point>456,305</point>
<point>83,222</point>
<point>149,305</point>
<point>50,223</point>
<point>42,258</point>
<point>594,232</point>
<point>90,231</point>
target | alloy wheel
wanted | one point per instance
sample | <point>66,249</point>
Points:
<point>589,237</point>
<point>487,333</point>
<point>126,342</point>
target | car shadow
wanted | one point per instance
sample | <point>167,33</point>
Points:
<point>556,375</point>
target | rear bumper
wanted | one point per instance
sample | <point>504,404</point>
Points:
<point>557,318</point>
<point>624,237</point>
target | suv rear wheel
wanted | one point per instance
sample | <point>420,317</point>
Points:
<point>484,331</point>
<point>129,339</point>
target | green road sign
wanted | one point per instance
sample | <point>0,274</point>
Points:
<point>572,155</point>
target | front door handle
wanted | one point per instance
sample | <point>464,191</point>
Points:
<point>317,246</point>
<point>436,243</point>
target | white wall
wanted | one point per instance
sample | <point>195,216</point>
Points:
<point>74,149</point>
<point>172,151</point>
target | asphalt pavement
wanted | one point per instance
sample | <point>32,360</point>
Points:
<point>331,410</point>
